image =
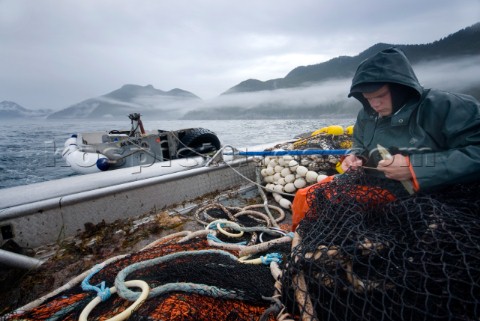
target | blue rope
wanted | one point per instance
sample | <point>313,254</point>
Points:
<point>293,152</point>
<point>202,289</point>
<point>103,292</point>
<point>271,257</point>
<point>217,240</point>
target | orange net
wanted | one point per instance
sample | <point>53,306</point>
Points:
<point>234,290</point>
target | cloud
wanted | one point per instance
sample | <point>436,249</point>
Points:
<point>454,76</point>
<point>55,53</point>
<point>450,75</point>
<point>305,96</point>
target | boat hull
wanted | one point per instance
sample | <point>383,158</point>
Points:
<point>43,213</point>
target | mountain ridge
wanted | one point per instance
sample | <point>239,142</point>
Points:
<point>125,100</point>
<point>129,91</point>
<point>12,110</point>
<point>463,42</point>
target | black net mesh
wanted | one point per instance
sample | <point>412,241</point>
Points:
<point>246,285</point>
<point>363,256</point>
<point>359,254</point>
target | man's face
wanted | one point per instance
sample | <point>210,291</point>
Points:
<point>380,101</point>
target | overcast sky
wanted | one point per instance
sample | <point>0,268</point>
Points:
<point>55,53</point>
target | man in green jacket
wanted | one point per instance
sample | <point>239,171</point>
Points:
<point>433,135</point>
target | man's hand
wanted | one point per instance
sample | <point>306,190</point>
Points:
<point>351,162</point>
<point>395,168</point>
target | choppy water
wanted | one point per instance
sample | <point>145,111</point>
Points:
<point>30,151</point>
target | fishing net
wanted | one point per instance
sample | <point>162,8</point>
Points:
<point>314,157</point>
<point>201,275</point>
<point>358,255</point>
<point>322,164</point>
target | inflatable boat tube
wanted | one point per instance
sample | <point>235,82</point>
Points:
<point>83,162</point>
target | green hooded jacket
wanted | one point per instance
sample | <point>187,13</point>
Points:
<point>438,130</point>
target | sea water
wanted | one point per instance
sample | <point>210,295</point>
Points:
<point>30,150</point>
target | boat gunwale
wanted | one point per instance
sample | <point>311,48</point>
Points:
<point>32,207</point>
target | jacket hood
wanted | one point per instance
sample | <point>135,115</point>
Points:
<point>387,66</point>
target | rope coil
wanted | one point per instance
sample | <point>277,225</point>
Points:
<point>127,312</point>
<point>214,291</point>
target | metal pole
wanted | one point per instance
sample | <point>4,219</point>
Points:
<point>18,260</point>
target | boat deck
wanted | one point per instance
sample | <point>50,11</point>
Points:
<point>73,255</point>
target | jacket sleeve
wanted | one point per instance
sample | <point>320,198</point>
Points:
<point>454,122</point>
<point>358,148</point>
